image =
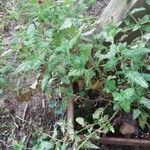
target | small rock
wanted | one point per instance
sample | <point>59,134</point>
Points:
<point>127,129</point>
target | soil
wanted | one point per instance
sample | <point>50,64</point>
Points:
<point>26,112</point>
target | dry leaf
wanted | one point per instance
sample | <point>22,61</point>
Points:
<point>40,1</point>
<point>24,96</point>
<point>97,85</point>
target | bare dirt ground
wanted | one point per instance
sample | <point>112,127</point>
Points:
<point>23,114</point>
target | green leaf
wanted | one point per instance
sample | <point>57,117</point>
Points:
<point>147,36</point>
<point>67,24</point>
<point>146,102</point>
<point>52,104</point>
<point>143,119</point>
<point>108,55</point>
<point>148,2</point>
<point>80,121</point>
<point>146,76</point>
<point>110,86</point>
<point>126,105</point>
<point>32,62</point>
<point>85,52</point>
<point>136,77</point>
<point>112,62</point>
<point>76,72</point>
<point>45,145</point>
<point>90,145</point>
<point>136,113</point>
<point>45,81</point>
<point>3,82</point>
<point>31,30</point>
<point>128,93</point>
<point>137,52</point>
<point>98,113</point>
<point>17,146</point>
<point>124,99</point>
<point>137,10</point>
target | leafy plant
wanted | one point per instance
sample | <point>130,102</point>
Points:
<point>49,40</point>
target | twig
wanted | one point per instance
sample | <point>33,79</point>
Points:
<point>4,143</point>
<point>26,144</point>
<point>14,121</point>
<point>97,130</point>
<point>24,112</point>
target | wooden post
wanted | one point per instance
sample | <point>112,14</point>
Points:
<point>115,11</point>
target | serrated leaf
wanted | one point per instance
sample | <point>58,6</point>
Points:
<point>136,113</point>
<point>123,99</point>
<point>45,145</point>
<point>110,86</point>
<point>32,63</point>
<point>146,102</point>
<point>112,62</point>
<point>98,113</point>
<point>67,24</point>
<point>108,55</point>
<point>136,77</point>
<point>126,105</point>
<point>137,52</point>
<point>31,30</point>
<point>76,72</point>
<point>80,121</point>
<point>45,81</point>
<point>143,119</point>
<point>128,93</point>
<point>90,145</point>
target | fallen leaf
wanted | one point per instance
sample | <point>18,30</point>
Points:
<point>97,85</point>
<point>24,96</point>
<point>40,1</point>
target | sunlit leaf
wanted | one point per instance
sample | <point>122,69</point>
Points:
<point>90,145</point>
<point>146,102</point>
<point>136,77</point>
<point>31,30</point>
<point>80,121</point>
<point>67,24</point>
<point>136,113</point>
<point>98,113</point>
<point>45,145</point>
<point>137,10</point>
<point>45,81</point>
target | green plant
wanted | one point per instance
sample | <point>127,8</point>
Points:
<point>49,40</point>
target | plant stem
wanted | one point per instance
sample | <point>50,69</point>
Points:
<point>97,130</point>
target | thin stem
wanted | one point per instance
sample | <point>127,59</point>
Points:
<point>97,130</point>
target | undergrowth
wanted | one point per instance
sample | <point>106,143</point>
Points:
<point>49,40</point>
